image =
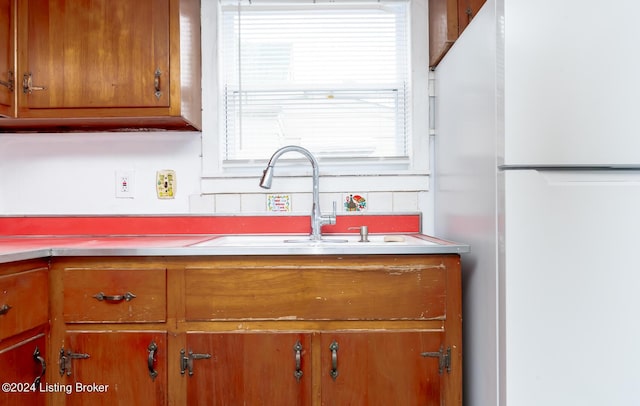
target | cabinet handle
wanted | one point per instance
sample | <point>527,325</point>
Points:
<point>4,309</point>
<point>297,350</point>
<point>38,358</point>
<point>153,347</point>
<point>27,84</point>
<point>10,82</point>
<point>186,361</point>
<point>156,83</point>
<point>127,297</point>
<point>65,360</point>
<point>334,360</point>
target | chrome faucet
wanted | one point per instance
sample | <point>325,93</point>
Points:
<point>317,219</point>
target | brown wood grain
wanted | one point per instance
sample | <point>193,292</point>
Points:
<point>26,294</point>
<point>81,286</point>
<point>97,62</point>
<point>119,362</point>
<point>317,289</point>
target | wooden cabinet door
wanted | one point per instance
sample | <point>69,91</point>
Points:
<point>250,369</point>
<point>381,369</point>
<point>7,69</point>
<point>98,54</point>
<point>24,300</point>
<point>467,10</point>
<point>119,361</point>
<point>22,373</point>
<point>447,20</point>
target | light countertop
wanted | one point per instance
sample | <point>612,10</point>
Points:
<point>23,248</point>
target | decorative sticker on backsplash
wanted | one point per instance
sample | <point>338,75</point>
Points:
<point>279,203</point>
<point>355,202</point>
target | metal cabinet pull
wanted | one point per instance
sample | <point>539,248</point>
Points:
<point>153,347</point>
<point>156,83</point>
<point>27,84</point>
<point>4,309</point>
<point>297,350</point>
<point>65,360</point>
<point>186,361</point>
<point>38,358</point>
<point>10,81</point>
<point>334,360</point>
<point>115,298</point>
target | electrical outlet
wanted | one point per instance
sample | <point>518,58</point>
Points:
<point>124,184</point>
<point>166,184</point>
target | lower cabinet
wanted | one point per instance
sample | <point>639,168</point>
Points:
<point>108,368</point>
<point>277,368</point>
<point>109,331</point>
<point>24,318</point>
<point>381,368</point>
<point>260,330</point>
<point>22,372</point>
<point>248,368</point>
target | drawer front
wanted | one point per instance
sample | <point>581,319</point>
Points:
<point>317,289</point>
<point>114,296</point>
<point>24,301</point>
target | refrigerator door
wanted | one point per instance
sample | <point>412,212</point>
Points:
<point>571,82</point>
<point>571,288</point>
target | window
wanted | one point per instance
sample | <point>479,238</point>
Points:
<point>331,76</point>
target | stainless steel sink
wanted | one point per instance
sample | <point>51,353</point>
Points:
<point>292,241</point>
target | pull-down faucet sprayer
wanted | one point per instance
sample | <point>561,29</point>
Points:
<point>317,219</point>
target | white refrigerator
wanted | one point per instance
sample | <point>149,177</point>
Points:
<point>537,167</point>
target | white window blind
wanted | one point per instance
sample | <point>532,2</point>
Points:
<point>329,76</point>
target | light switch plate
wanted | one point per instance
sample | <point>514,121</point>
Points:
<point>166,184</point>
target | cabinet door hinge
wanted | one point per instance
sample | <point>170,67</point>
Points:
<point>9,83</point>
<point>65,360</point>
<point>444,359</point>
<point>186,360</point>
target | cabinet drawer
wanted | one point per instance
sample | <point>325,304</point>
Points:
<point>389,288</point>
<point>114,296</point>
<point>24,301</point>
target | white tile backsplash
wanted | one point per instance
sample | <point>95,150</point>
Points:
<point>202,203</point>
<point>377,202</point>
<point>381,202</point>
<point>253,203</point>
<point>405,201</point>
<point>228,203</point>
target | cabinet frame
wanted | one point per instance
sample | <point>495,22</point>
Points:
<point>444,330</point>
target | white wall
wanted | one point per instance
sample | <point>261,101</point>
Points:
<point>75,173</point>
<point>466,192</point>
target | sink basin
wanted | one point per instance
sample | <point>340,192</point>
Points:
<point>292,241</point>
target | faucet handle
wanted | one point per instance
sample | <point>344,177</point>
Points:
<point>330,218</point>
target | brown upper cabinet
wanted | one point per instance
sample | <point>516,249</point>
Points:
<point>100,65</point>
<point>447,20</point>
<point>7,83</point>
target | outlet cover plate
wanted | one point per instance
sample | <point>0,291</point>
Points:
<point>125,182</point>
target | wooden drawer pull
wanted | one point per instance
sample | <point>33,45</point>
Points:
<point>4,309</point>
<point>127,297</point>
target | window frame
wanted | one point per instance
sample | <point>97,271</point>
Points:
<point>418,163</point>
